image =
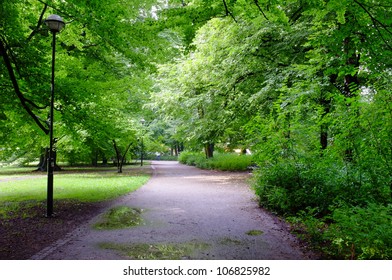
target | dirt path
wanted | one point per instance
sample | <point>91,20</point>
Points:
<point>189,214</point>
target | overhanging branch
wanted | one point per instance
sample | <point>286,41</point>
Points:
<point>38,24</point>
<point>260,9</point>
<point>375,23</point>
<point>15,85</point>
<point>228,13</point>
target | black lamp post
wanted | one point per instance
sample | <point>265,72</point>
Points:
<point>55,24</point>
<point>142,121</point>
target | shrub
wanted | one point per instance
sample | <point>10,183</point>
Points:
<point>190,158</point>
<point>316,182</point>
<point>224,162</point>
<point>361,232</point>
<point>230,162</point>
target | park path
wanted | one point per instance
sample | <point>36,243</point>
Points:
<point>213,211</point>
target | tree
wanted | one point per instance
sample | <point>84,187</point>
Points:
<point>293,81</point>
<point>94,69</point>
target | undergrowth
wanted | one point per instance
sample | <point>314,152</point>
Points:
<point>343,210</point>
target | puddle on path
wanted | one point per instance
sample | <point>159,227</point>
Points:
<point>179,251</point>
<point>120,217</point>
<point>254,232</point>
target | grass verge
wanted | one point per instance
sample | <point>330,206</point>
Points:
<point>81,187</point>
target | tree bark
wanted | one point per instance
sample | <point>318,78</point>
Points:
<point>120,158</point>
<point>43,161</point>
<point>326,104</point>
<point>209,150</point>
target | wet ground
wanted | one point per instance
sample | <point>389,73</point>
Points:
<point>186,213</point>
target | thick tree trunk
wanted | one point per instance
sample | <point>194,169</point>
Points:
<point>43,161</point>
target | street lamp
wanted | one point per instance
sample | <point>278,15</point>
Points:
<point>55,23</point>
<point>142,121</point>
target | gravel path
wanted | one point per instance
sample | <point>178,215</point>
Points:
<point>209,213</point>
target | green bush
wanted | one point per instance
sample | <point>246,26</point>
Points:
<point>190,158</point>
<point>288,187</point>
<point>360,232</point>
<point>224,162</point>
<point>230,162</point>
<point>292,185</point>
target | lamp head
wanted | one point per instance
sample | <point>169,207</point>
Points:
<point>55,23</point>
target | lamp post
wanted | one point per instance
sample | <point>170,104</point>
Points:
<point>55,23</point>
<point>142,121</point>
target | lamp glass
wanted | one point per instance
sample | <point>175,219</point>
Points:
<point>55,23</point>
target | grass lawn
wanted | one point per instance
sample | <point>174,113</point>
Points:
<point>82,187</point>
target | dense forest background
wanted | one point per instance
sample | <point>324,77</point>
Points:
<point>304,85</point>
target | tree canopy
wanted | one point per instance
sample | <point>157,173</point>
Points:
<point>104,57</point>
<point>304,85</point>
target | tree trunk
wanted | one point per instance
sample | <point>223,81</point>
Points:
<point>43,161</point>
<point>94,159</point>
<point>326,104</point>
<point>118,157</point>
<point>209,150</point>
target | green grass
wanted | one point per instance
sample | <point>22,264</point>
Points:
<point>16,171</point>
<point>82,187</point>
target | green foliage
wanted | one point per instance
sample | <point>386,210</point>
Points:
<point>224,162</point>
<point>305,85</point>
<point>348,232</point>
<point>104,57</point>
<point>289,186</point>
<point>361,232</point>
<point>191,158</point>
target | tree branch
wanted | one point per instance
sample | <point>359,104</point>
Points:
<point>15,85</point>
<point>125,153</point>
<point>118,154</point>
<point>38,24</point>
<point>260,9</point>
<point>375,22</point>
<point>296,15</point>
<point>35,105</point>
<point>228,13</point>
